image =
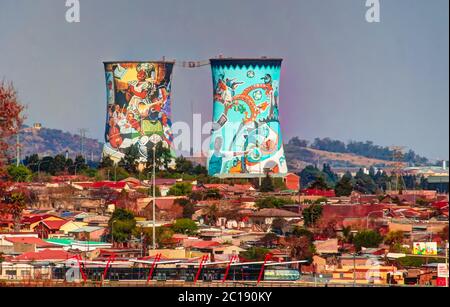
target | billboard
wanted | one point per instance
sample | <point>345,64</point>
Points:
<point>246,135</point>
<point>425,248</point>
<point>138,108</point>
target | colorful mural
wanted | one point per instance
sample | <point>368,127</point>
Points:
<point>246,136</point>
<point>138,109</point>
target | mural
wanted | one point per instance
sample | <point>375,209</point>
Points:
<point>138,109</point>
<point>246,136</point>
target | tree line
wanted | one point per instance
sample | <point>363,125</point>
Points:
<point>366,149</point>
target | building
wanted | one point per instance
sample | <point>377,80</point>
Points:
<point>246,140</point>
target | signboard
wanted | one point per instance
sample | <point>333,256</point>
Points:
<point>425,248</point>
<point>441,282</point>
<point>442,270</point>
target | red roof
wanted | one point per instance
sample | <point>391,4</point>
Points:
<point>204,244</point>
<point>31,219</point>
<point>46,254</point>
<point>54,225</point>
<point>30,240</point>
<point>315,192</point>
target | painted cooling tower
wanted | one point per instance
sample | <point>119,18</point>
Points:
<point>246,137</point>
<point>138,109</point>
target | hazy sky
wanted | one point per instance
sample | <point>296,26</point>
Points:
<point>342,77</point>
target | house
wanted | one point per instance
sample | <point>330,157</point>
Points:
<point>268,215</point>
<point>329,246</point>
<point>30,222</point>
<point>47,228</point>
<point>88,233</point>
<point>71,225</point>
<point>292,182</point>
<point>26,244</point>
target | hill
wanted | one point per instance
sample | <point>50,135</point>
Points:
<point>50,142</point>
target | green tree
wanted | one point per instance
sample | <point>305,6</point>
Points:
<point>312,214</point>
<point>182,165</point>
<point>309,174</point>
<point>279,225</point>
<point>255,253</point>
<point>344,187</point>
<point>106,162</point>
<point>303,232</point>
<point>331,178</point>
<point>180,189</point>
<point>320,184</point>
<point>272,202</point>
<point>32,162</point>
<point>122,224</point>
<point>185,226</point>
<point>367,238</point>
<point>267,184</point>
<point>188,207</point>
<point>129,161</point>
<point>364,183</point>
<point>301,248</point>
<point>19,173</point>
<point>394,237</point>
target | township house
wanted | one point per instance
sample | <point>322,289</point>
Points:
<point>268,215</point>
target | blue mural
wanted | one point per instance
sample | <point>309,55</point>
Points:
<point>246,136</point>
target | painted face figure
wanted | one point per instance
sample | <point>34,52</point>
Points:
<point>141,75</point>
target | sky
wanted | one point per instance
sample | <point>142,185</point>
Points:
<point>342,77</point>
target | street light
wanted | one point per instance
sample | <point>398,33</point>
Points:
<point>155,139</point>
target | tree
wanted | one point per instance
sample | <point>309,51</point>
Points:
<point>364,183</point>
<point>106,162</point>
<point>255,253</point>
<point>295,141</point>
<point>303,232</point>
<point>14,203</point>
<point>367,238</point>
<point>212,214</point>
<point>269,240</point>
<point>32,162</point>
<point>121,225</point>
<point>163,156</point>
<point>11,118</point>
<point>188,207</point>
<point>300,248</point>
<point>344,187</point>
<point>19,173</point>
<point>183,166</point>
<point>180,189</point>
<point>272,202</point>
<point>129,161</point>
<point>267,184</point>
<point>185,226</point>
<point>330,177</point>
<point>279,225</point>
<point>319,184</point>
<point>394,237</point>
<point>312,214</point>
<point>308,175</point>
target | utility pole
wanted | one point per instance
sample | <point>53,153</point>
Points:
<point>18,149</point>
<point>82,137</point>
<point>154,197</point>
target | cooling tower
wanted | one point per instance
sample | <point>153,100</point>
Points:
<point>246,137</point>
<point>138,108</point>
